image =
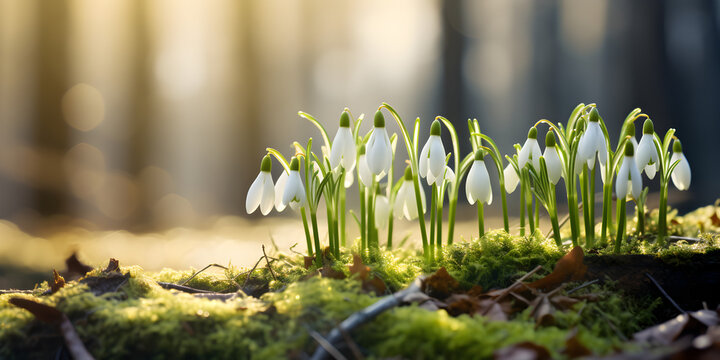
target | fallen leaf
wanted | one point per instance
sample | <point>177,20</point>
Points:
<point>42,312</point>
<point>113,266</point>
<point>369,281</point>
<point>329,272</point>
<point>569,268</point>
<point>714,219</point>
<point>440,284</point>
<point>58,283</point>
<point>574,348</point>
<point>694,322</point>
<point>75,267</point>
<point>525,350</point>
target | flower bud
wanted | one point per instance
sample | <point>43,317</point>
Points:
<point>266,164</point>
<point>435,128</point>
<point>379,121</point>
<point>648,127</point>
<point>345,119</point>
<point>594,115</point>
<point>550,139</point>
<point>677,146</point>
<point>629,149</point>
<point>294,164</point>
<point>532,133</point>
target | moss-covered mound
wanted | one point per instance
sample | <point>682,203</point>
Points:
<point>130,313</point>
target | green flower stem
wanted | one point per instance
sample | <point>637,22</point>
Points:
<point>413,165</point>
<point>554,219</point>
<point>481,219</point>
<point>440,221</point>
<point>662,212</point>
<point>621,224</point>
<point>591,207</point>
<point>640,211</point>
<point>607,212</point>
<point>391,220</point>
<point>585,191</point>
<point>537,213</point>
<point>528,200</point>
<point>307,232</point>
<point>433,196</point>
<point>316,234</point>
<point>330,225</point>
<point>451,218</point>
<point>363,217</point>
<point>371,215</point>
<point>497,157</point>
<point>341,211</point>
<point>522,207</point>
<point>574,216</point>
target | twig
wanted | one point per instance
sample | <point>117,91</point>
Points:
<point>665,293</point>
<point>352,345</point>
<point>15,291</point>
<point>182,288</point>
<point>327,345</point>
<point>268,264</point>
<point>247,277</point>
<point>203,269</point>
<point>216,296</point>
<point>678,238</point>
<point>510,288</point>
<point>365,315</point>
<point>586,284</point>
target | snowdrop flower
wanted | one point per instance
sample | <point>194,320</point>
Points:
<point>432,156</point>
<point>552,159</point>
<point>511,178</point>
<point>681,173</point>
<point>447,175</point>
<point>294,193</point>
<point>647,157</point>
<point>365,175</point>
<point>530,150</point>
<point>342,152</point>
<point>379,149</point>
<point>628,180</point>
<point>382,211</point>
<point>477,185</point>
<point>262,191</point>
<point>405,200</point>
<point>279,189</point>
<point>592,142</point>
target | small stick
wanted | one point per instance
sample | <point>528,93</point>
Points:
<point>509,289</point>
<point>182,288</point>
<point>268,264</point>
<point>586,284</point>
<point>250,272</point>
<point>352,345</point>
<point>665,293</point>
<point>203,269</point>
<point>678,238</point>
<point>15,291</point>
<point>327,345</point>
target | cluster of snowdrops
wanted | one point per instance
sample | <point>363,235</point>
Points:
<point>570,153</point>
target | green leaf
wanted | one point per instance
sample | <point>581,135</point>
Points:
<point>317,124</point>
<point>280,158</point>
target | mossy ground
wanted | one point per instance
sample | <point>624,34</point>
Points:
<point>140,319</point>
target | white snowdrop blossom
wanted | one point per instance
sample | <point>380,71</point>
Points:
<point>279,189</point>
<point>262,190</point>
<point>552,159</point>
<point>629,182</point>
<point>477,185</point>
<point>431,164</point>
<point>342,151</point>
<point>681,174</point>
<point>592,142</point>
<point>294,193</point>
<point>378,150</point>
<point>511,178</point>
<point>405,200</point>
<point>364,171</point>
<point>647,157</point>
<point>530,150</point>
<point>382,211</point>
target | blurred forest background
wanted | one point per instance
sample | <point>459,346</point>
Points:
<point>145,115</point>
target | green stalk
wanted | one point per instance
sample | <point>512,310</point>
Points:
<point>537,213</point>
<point>331,224</point>
<point>662,214</point>
<point>621,225</point>
<point>640,210</point>
<point>607,211</point>
<point>440,220</point>
<point>591,208</point>
<point>584,184</point>
<point>554,219</point>
<point>318,249</point>
<point>363,217</point>
<point>341,212</point>
<point>522,207</point>
<point>529,201</point>
<point>451,219</point>
<point>307,231</point>
<point>390,231</point>
<point>574,217</point>
<point>481,220</point>
<point>503,197</point>
<point>371,216</point>
<point>433,195</point>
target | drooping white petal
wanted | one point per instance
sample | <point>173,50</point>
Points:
<point>592,142</point>
<point>400,200</point>
<point>436,156</point>
<point>379,152</point>
<point>294,193</point>
<point>511,178</point>
<point>254,195</point>
<point>635,179</point>
<point>279,189</point>
<point>449,175</point>
<point>349,178</point>
<point>621,184</point>
<point>681,175</point>
<point>423,160</point>
<point>530,151</point>
<point>365,174</point>
<point>646,156</point>
<point>343,149</point>
<point>554,165</point>
<point>382,211</point>
<point>318,171</point>
<point>268,193</point>
<point>477,186</point>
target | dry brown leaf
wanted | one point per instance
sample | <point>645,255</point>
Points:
<point>58,282</point>
<point>694,322</point>
<point>113,266</point>
<point>714,219</point>
<point>328,272</point>
<point>369,281</point>
<point>569,268</point>
<point>440,284</point>
<point>42,312</point>
<point>525,350</point>
<point>574,348</point>
<point>75,268</point>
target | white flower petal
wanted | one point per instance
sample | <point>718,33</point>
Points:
<point>478,183</point>
<point>621,184</point>
<point>294,190</point>
<point>635,178</point>
<point>349,178</point>
<point>681,175</point>
<point>449,175</point>
<point>279,189</point>
<point>382,211</point>
<point>400,200</point>
<point>554,165</point>
<point>535,154</point>
<point>436,156</point>
<point>379,152</point>
<point>423,160</point>
<point>254,195</point>
<point>365,174</point>
<point>511,178</point>
<point>268,193</point>
<point>525,152</point>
